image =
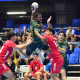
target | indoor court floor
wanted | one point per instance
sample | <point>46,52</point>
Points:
<point>68,78</point>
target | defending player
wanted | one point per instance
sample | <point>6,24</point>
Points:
<point>6,51</point>
<point>58,60</point>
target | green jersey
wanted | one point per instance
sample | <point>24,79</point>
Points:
<point>64,45</point>
<point>34,26</point>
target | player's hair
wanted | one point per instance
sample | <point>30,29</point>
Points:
<point>36,54</point>
<point>13,27</point>
<point>63,33</point>
<point>10,34</point>
<point>36,15</point>
<point>51,30</point>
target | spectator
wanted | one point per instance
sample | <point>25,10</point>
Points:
<point>11,65</point>
<point>48,70</point>
<point>74,44</point>
<point>12,29</point>
<point>69,33</point>
<point>77,33</point>
<point>63,46</point>
<point>19,33</point>
<point>37,68</point>
<point>4,38</point>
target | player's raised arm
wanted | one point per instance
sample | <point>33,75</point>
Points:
<point>33,11</point>
<point>34,6</point>
<point>48,22</point>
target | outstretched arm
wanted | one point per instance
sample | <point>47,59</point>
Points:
<point>48,22</point>
<point>29,41</point>
<point>33,11</point>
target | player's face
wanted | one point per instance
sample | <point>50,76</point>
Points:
<point>39,18</point>
<point>47,32</point>
<point>35,57</point>
<point>70,28</point>
<point>61,37</point>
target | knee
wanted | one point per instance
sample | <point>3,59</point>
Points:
<point>63,72</point>
<point>25,75</point>
<point>45,75</point>
<point>37,73</point>
<point>26,60</point>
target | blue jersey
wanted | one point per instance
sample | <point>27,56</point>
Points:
<point>48,67</point>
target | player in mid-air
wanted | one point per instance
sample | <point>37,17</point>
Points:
<point>58,60</point>
<point>6,51</point>
<point>35,28</point>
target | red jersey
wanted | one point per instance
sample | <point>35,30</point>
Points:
<point>6,50</point>
<point>52,41</point>
<point>35,66</point>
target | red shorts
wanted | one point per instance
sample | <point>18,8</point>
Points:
<point>57,64</point>
<point>3,68</point>
<point>33,74</point>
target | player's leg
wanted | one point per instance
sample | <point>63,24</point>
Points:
<point>38,75</point>
<point>63,72</point>
<point>56,67</point>
<point>18,61</point>
<point>46,75</point>
<point>26,61</point>
<point>10,75</point>
<point>27,76</point>
<point>54,76</point>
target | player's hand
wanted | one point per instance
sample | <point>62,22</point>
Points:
<point>33,9</point>
<point>49,19</point>
<point>29,40</point>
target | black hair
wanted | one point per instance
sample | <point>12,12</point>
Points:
<point>61,26</point>
<point>63,33</point>
<point>36,54</point>
<point>51,30</point>
<point>13,27</point>
<point>36,15</point>
<point>10,34</point>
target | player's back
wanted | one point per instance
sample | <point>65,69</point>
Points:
<point>6,50</point>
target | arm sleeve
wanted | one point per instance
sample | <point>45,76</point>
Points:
<point>50,55</point>
<point>36,28</point>
<point>13,44</point>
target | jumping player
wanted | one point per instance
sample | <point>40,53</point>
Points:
<point>58,60</point>
<point>35,28</point>
<point>6,51</point>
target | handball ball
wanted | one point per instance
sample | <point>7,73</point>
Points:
<point>35,4</point>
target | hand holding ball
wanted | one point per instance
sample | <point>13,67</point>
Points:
<point>35,5</point>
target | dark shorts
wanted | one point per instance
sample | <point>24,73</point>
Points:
<point>33,46</point>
